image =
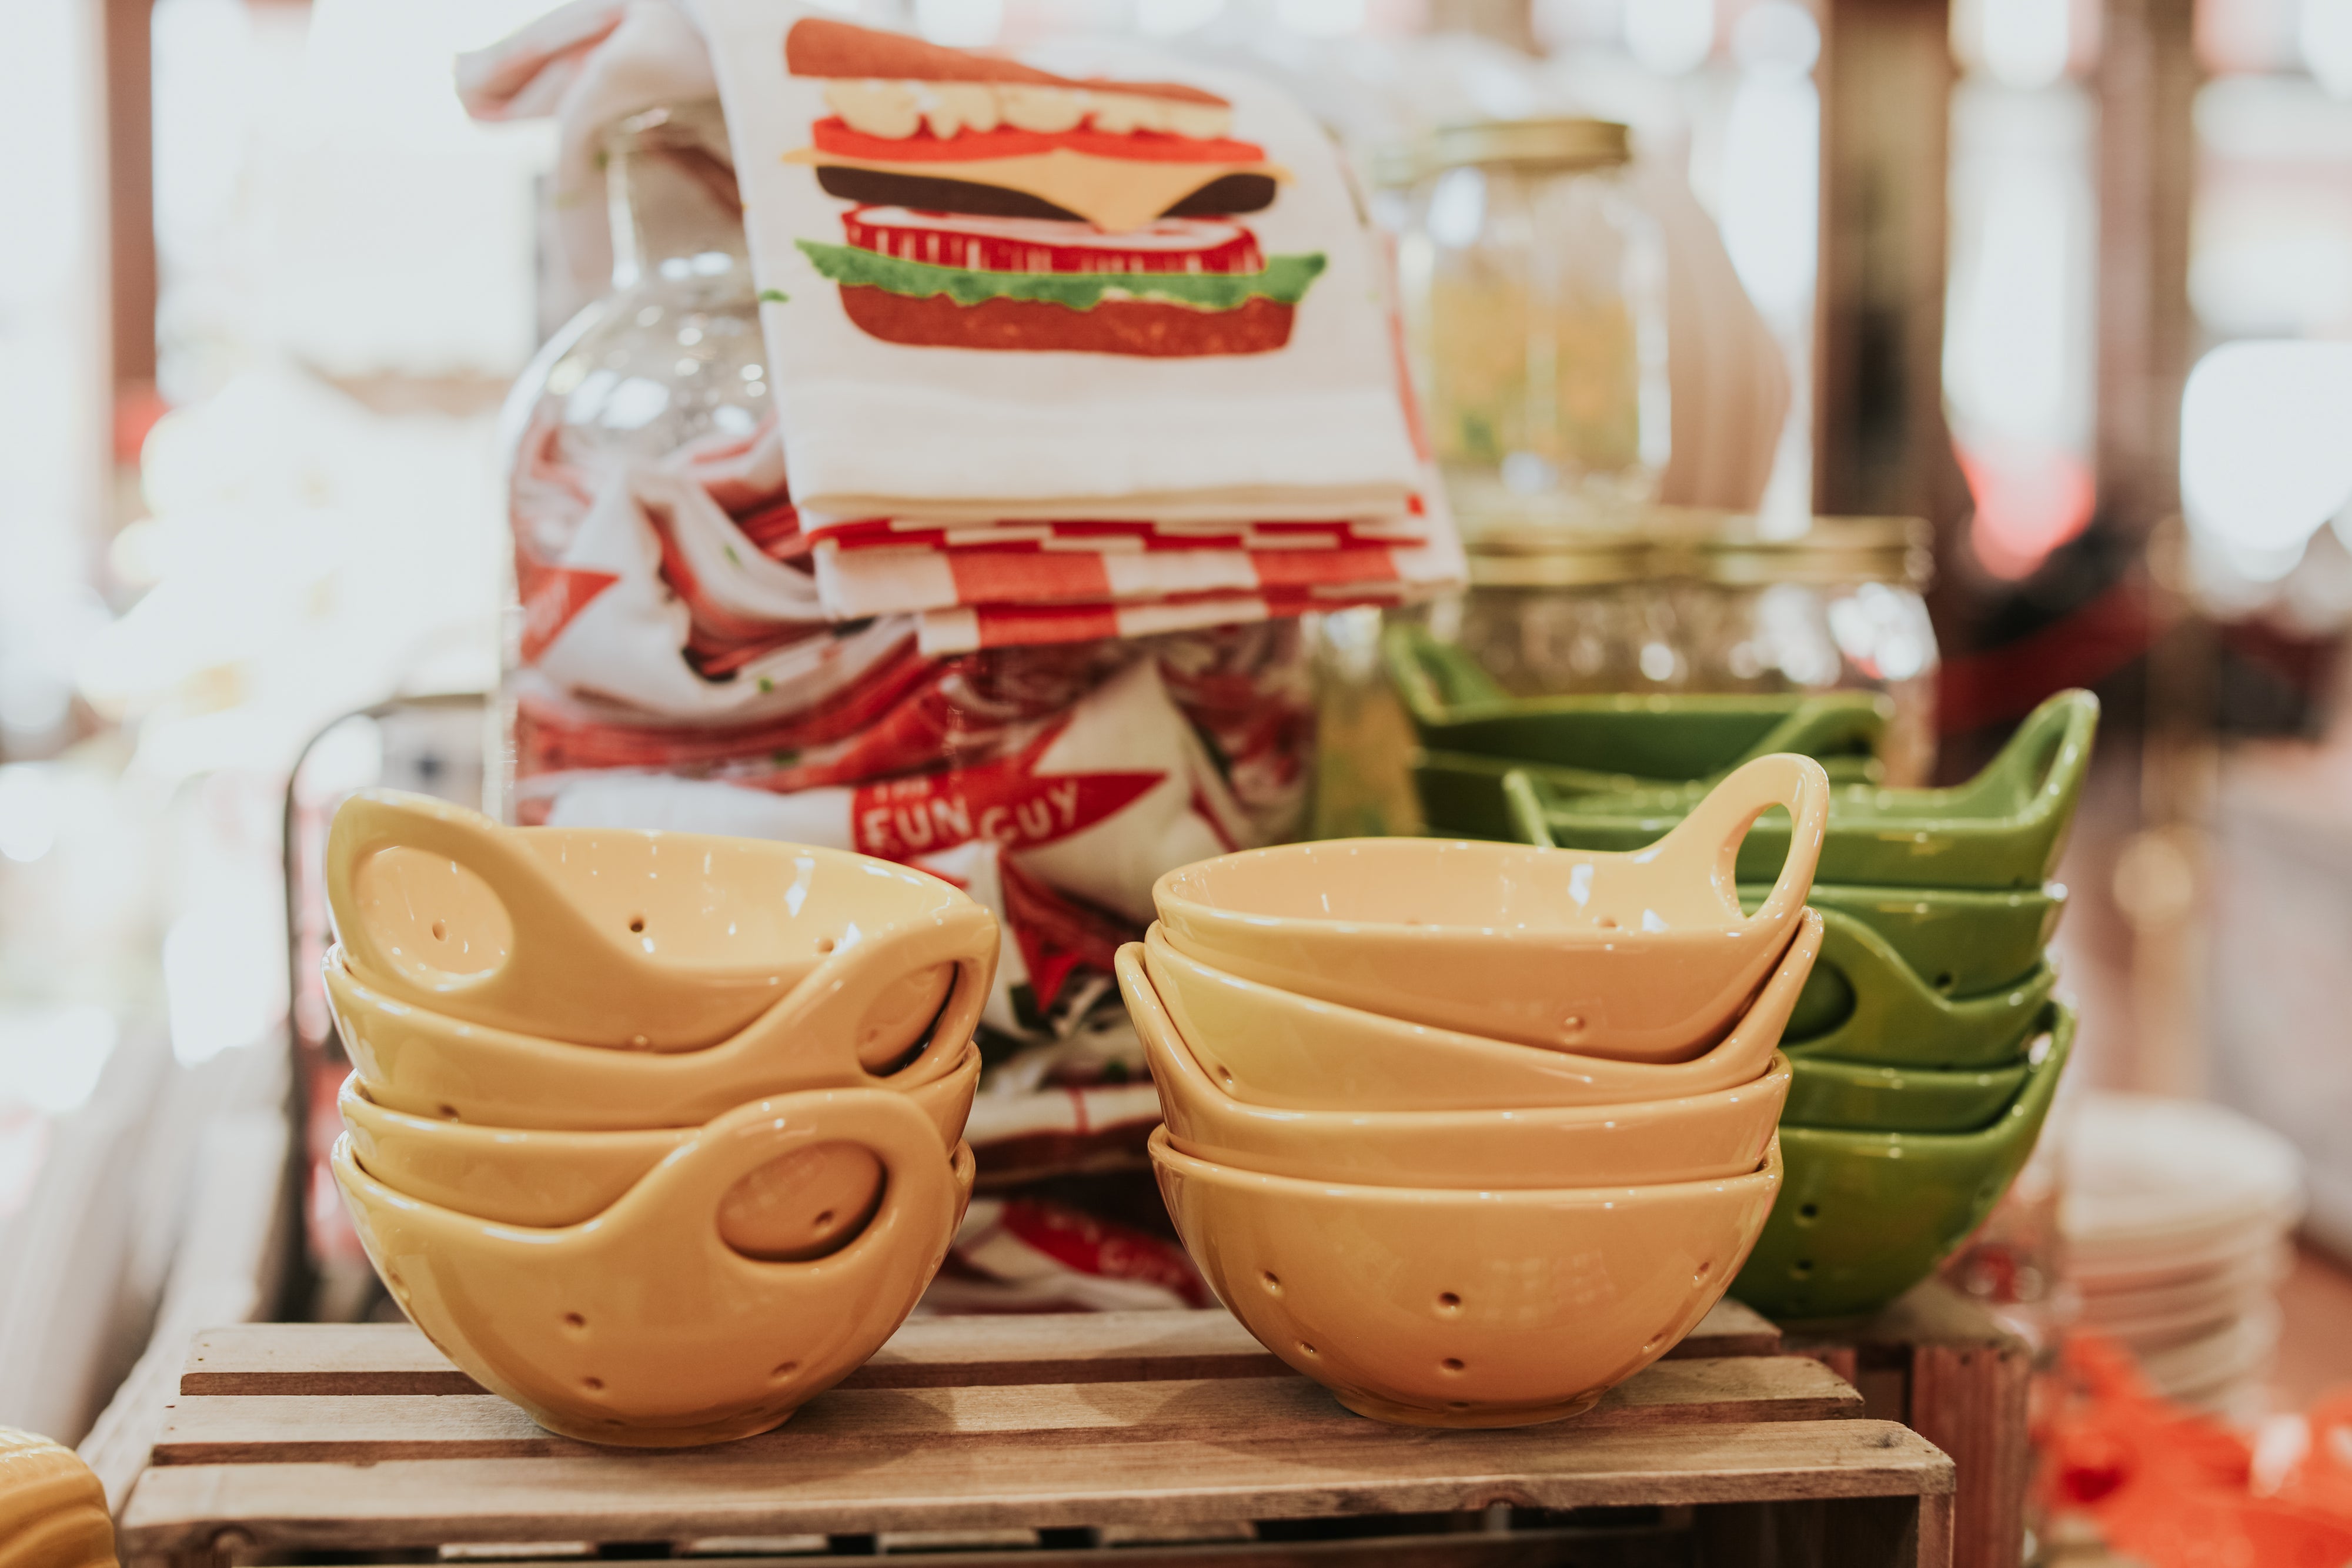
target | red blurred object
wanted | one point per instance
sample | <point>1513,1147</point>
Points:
<point>2082,650</point>
<point>137,408</point>
<point>2173,1489</point>
<point>2322,1480</point>
<point>2029,502</point>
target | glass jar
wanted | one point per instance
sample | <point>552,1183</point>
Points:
<point>1551,611</point>
<point>1534,290</point>
<point>1835,608</point>
<point>673,355</point>
<point>1704,602</point>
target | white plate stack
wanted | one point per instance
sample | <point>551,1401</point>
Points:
<point>2177,1216</point>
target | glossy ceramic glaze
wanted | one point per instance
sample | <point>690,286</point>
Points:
<point>1963,942</point>
<point>1641,958</point>
<point>1468,1307</point>
<point>1695,1138</point>
<point>1866,1216</point>
<point>537,1176</point>
<point>53,1511</point>
<point>1891,1018</point>
<point>1272,1048</point>
<point>642,1327</point>
<point>828,1032</point>
<point>606,937</point>
<point>2003,829</point>
<point>1616,741</point>
<point>1831,1094</point>
<point>1463,796</point>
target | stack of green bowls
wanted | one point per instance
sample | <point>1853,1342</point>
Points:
<point>1927,1044</point>
<point>1473,735</point>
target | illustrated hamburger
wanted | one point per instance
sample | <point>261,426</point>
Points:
<point>1000,206</point>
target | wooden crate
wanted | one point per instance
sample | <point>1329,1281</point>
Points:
<point>1074,1432</point>
<point>1940,1364</point>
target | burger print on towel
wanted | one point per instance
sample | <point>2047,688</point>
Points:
<point>1004,207</point>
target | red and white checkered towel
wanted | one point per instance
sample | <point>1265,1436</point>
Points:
<point>855,583</point>
<point>973,627</point>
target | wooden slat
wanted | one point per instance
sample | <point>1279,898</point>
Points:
<point>339,1359</point>
<point>273,1429</point>
<point>1516,1549</point>
<point>740,1490</point>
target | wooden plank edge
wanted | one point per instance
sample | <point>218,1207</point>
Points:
<point>1114,1347</point>
<point>294,1506</point>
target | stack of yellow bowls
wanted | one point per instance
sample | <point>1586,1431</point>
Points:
<point>1469,1132</point>
<point>656,1135</point>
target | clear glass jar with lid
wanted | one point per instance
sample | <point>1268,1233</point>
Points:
<point>1836,606</point>
<point>1551,612</point>
<point>1698,601</point>
<point>1534,290</point>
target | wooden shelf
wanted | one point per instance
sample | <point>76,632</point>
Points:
<point>1096,1428</point>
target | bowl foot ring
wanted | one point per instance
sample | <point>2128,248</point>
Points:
<point>1466,1414</point>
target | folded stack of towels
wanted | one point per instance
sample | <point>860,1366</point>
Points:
<point>1037,378</point>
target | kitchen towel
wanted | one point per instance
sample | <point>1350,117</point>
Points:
<point>1089,283</point>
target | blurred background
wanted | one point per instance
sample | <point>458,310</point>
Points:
<point>2056,276</point>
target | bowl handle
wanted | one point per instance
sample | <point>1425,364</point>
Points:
<point>540,915</point>
<point>823,1011</point>
<point>1832,723</point>
<point>1712,834</point>
<point>919,1189</point>
<point>1523,799</point>
<point>1904,1007</point>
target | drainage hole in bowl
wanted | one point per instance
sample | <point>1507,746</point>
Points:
<point>1572,1025</point>
<point>1946,981</point>
<point>440,931</point>
<point>449,1111</point>
<point>785,1369</point>
<point>1272,1286</point>
<point>825,944</point>
<point>1457,1405</point>
<point>574,1321</point>
<point>1451,1363</point>
<point>593,1384</point>
<point>1698,1276</point>
<point>1225,1075</point>
<point>1802,1269</point>
<point>1808,1213</point>
<point>1447,1301</point>
<point>1306,1349</point>
<point>636,924</point>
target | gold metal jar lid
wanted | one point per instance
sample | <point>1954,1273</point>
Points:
<point>1832,551</point>
<point>1548,143</point>
<point>1688,544</point>
<point>1534,558</point>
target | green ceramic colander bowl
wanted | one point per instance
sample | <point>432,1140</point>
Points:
<point>1825,1092</point>
<point>1461,794</point>
<point>1961,941</point>
<point>1621,741</point>
<point>1864,1217</point>
<point>2003,829</point>
<point>1863,1003</point>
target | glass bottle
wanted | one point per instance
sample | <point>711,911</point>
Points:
<point>673,355</point>
<point>1534,290</point>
